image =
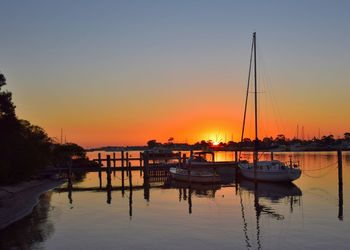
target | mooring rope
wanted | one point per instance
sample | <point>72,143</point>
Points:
<point>328,166</point>
<point>320,176</point>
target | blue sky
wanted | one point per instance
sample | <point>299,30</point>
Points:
<point>93,55</point>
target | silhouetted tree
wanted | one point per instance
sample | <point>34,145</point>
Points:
<point>328,140</point>
<point>24,148</point>
<point>152,143</point>
<point>64,153</point>
<point>281,139</point>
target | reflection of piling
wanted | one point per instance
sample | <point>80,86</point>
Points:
<point>146,186</point>
<point>109,181</point>
<point>99,170</point>
<point>236,157</point>
<point>340,185</point>
<point>271,156</point>
<point>190,200</point>
<point>70,185</point>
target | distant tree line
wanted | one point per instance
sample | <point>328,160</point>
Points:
<point>25,148</point>
<point>280,141</point>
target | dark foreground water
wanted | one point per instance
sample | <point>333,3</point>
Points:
<point>169,215</point>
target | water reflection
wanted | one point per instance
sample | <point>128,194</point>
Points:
<point>187,189</point>
<point>32,231</point>
<point>271,192</point>
<point>234,214</point>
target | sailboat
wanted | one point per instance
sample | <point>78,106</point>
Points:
<point>274,170</point>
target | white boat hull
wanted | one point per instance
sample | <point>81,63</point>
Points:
<point>194,176</point>
<point>218,167</point>
<point>271,175</point>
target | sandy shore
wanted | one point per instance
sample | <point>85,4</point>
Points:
<point>19,200</point>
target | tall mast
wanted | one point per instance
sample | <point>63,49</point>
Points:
<point>255,93</point>
<point>256,144</point>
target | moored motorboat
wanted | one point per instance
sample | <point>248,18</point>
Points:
<point>198,161</point>
<point>199,176</point>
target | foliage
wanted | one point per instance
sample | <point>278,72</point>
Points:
<point>153,143</point>
<point>25,148</point>
<point>63,153</point>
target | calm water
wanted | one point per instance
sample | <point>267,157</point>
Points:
<point>169,215</point>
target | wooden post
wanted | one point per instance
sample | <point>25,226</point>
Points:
<point>141,163</point>
<point>123,178</point>
<point>184,158</point>
<point>130,176</point>
<point>108,169</point>
<point>99,171</point>
<point>145,165</point>
<point>271,155</point>
<point>109,184</point>
<point>114,160</point>
<point>122,158</point>
<point>127,162</point>
<point>340,185</point>
<point>236,156</point>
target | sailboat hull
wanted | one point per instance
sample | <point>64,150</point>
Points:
<point>270,175</point>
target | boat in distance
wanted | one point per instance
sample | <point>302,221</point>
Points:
<point>272,171</point>
<point>198,176</point>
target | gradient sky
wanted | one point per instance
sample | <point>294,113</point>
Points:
<point>124,72</point>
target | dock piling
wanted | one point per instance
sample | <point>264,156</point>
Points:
<point>109,181</point>
<point>99,171</point>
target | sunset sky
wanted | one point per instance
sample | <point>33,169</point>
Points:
<point>124,72</point>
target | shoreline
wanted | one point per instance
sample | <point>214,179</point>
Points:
<point>19,200</point>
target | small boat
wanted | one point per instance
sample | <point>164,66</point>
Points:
<point>198,160</point>
<point>274,171</point>
<point>199,176</point>
<point>160,155</point>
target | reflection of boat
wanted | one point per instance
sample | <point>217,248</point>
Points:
<point>198,187</point>
<point>271,191</point>
<point>266,194</point>
<point>188,175</point>
<point>273,170</point>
